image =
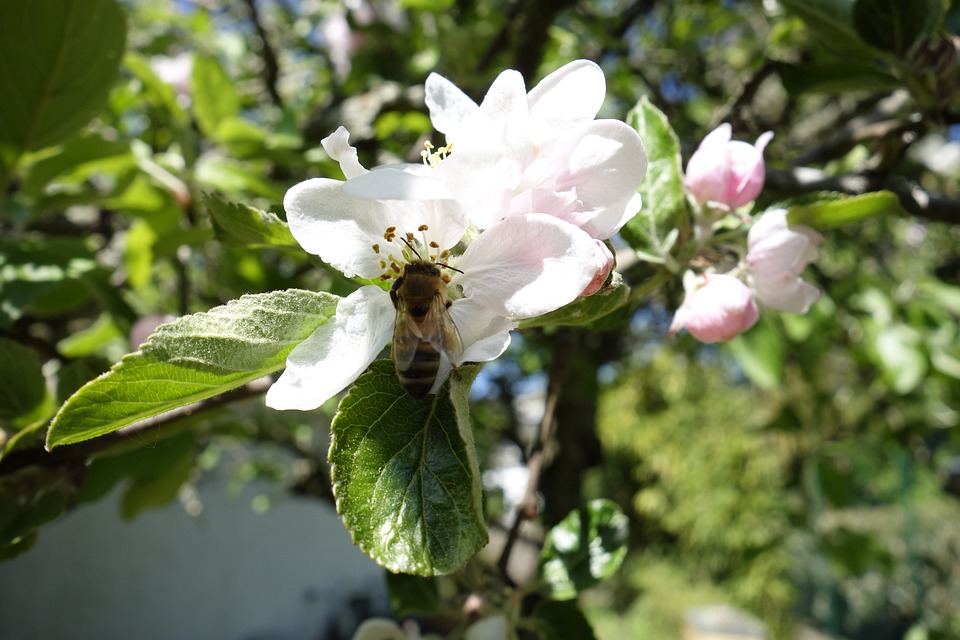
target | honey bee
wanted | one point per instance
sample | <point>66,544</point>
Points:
<point>423,328</point>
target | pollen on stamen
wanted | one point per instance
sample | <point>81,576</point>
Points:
<point>444,254</point>
<point>423,227</point>
<point>383,264</point>
<point>376,248</point>
<point>434,244</point>
<point>394,267</point>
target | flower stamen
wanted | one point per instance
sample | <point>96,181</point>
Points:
<point>433,158</point>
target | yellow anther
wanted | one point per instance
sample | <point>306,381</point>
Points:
<point>423,227</point>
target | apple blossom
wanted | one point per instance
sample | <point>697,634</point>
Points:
<point>726,174</point>
<point>777,255</point>
<point>542,151</point>
<point>716,308</point>
<point>523,267</point>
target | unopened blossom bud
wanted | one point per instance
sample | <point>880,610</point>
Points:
<point>716,308</point>
<point>777,255</point>
<point>726,174</point>
<point>605,262</point>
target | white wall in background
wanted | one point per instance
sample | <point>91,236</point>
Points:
<point>291,573</point>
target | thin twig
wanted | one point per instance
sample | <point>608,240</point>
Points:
<point>271,67</point>
<point>536,462</point>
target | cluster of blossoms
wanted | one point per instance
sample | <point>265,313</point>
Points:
<point>722,176</point>
<point>514,209</point>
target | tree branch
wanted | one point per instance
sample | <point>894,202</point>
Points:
<point>67,455</point>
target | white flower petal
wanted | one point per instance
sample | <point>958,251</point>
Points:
<point>482,182</point>
<point>527,265</point>
<point>501,123</point>
<point>787,293</point>
<point>398,182</point>
<point>336,353</point>
<point>569,96</point>
<point>605,168</point>
<point>485,335</point>
<point>337,146</point>
<point>449,106</point>
<point>342,229</point>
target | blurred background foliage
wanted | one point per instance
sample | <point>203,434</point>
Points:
<point>807,472</point>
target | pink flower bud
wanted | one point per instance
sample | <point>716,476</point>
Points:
<point>716,308</point>
<point>725,173</point>
<point>777,255</point>
<point>604,265</point>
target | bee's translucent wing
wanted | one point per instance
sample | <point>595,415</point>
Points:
<point>406,337</point>
<point>440,331</point>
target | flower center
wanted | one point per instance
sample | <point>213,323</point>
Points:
<point>399,251</point>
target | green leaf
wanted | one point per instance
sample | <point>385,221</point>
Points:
<point>58,61</point>
<point>93,339</point>
<point>664,201</point>
<point>158,472</point>
<point>561,620</point>
<point>41,276</point>
<point>191,359</point>
<point>241,224</point>
<point>213,94</point>
<point>78,158</point>
<point>833,210</point>
<point>900,357</point>
<point>413,595</point>
<point>585,548</point>
<point>759,352</point>
<point>831,21</point>
<point>22,385</point>
<point>835,77</point>
<point>894,25</point>
<point>405,474</point>
<point>586,309</point>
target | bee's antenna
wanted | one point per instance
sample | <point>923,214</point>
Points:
<point>415,252</point>
<point>443,264</point>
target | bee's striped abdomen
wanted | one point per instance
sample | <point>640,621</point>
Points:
<point>419,377</point>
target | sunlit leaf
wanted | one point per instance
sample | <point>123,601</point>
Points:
<point>585,548</point>
<point>405,474</point>
<point>834,210</point>
<point>238,223</point>
<point>43,276</point>
<point>58,60</point>
<point>213,93</point>
<point>662,187</point>
<point>194,358</point>
<point>901,357</point>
